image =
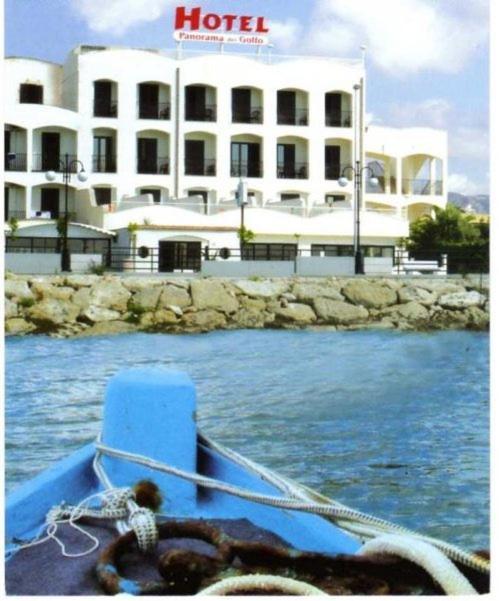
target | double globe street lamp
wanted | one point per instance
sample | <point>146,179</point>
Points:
<point>67,166</point>
<point>357,172</point>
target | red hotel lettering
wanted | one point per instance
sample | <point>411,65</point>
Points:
<point>194,20</point>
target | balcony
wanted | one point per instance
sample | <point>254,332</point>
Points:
<point>156,110</point>
<point>296,117</point>
<point>53,162</point>
<point>198,167</point>
<point>254,115</point>
<point>339,118</point>
<point>105,108</point>
<point>15,161</point>
<point>206,113</point>
<point>104,163</point>
<point>337,170</point>
<point>293,171</point>
<point>13,214</point>
<point>154,165</point>
<point>246,169</point>
<point>384,185</point>
<point>422,187</point>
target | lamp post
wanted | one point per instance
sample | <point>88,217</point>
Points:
<point>66,166</point>
<point>357,171</point>
<point>242,201</point>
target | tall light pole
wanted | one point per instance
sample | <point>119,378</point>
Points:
<point>242,201</point>
<point>66,167</point>
<point>358,172</point>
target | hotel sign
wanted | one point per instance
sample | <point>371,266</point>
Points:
<point>193,26</point>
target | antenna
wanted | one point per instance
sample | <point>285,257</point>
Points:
<point>363,54</point>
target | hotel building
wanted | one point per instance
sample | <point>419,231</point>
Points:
<point>165,138</point>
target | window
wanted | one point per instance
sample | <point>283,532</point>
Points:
<point>104,160</point>
<point>102,196</point>
<point>269,252</point>
<point>290,196</point>
<point>155,193</point>
<point>331,250</point>
<point>245,159</point>
<point>104,105</point>
<point>332,198</point>
<point>31,94</point>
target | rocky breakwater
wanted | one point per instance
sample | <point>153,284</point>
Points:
<point>90,305</point>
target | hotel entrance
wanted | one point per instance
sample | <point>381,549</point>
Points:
<point>179,256</point>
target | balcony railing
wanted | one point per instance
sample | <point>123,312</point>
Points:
<point>14,214</point>
<point>195,167</point>
<point>339,118</point>
<point>255,115</point>
<point>337,170</point>
<point>381,187</point>
<point>295,171</point>
<point>53,162</point>
<point>297,117</point>
<point>208,113</point>
<point>103,163</point>
<point>17,162</point>
<point>422,187</point>
<point>158,110</point>
<point>159,165</point>
<point>243,169</point>
<point>104,108</point>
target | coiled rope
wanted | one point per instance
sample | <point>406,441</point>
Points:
<point>334,511</point>
<point>261,582</point>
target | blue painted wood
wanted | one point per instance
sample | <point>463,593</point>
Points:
<point>152,412</point>
<point>70,480</point>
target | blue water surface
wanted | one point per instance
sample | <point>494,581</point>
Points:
<point>392,423</point>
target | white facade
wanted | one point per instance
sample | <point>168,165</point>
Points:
<point>154,146</point>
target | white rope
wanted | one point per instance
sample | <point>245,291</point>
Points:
<point>261,582</point>
<point>334,511</point>
<point>440,568</point>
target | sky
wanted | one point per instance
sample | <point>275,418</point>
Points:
<point>427,60</point>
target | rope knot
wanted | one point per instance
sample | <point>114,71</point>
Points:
<point>143,523</point>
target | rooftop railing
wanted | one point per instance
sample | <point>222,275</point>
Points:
<point>53,162</point>
<point>154,110</point>
<point>207,113</point>
<point>158,165</point>
<point>296,117</point>
<point>339,118</point>
<point>292,171</point>
<point>15,161</point>
<point>197,167</point>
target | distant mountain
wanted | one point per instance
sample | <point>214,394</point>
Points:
<point>478,203</point>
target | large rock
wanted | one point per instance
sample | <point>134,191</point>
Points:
<point>147,298</point>
<point>204,321</point>
<point>338,312</point>
<point>174,296</point>
<point>308,292</point>
<point>81,298</point>
<point>295,313</point>
<point>440,286</point>
<point>11,309</point>
<point>210,294</point>
<point>78,280</point>
<point>17,289</point>
<point>262,288</point>
<point>107,328</point>
<point>51,312</point>
<point>369,294</point>
<point>46,290</point>
<point>462,300</point>
<point>96,314</point>
<point>110,294</point>
<point>158,320</point>
<point>17,325</point>
<point>477,318</point>
<point>409,294</point>
<point>413,311</point>
<point>136,283</point>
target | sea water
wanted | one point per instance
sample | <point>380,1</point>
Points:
<point>391,423</point>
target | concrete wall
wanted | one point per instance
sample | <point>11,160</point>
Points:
<point>48,263</point>
<point>323,266</point>
<point>304,266</point>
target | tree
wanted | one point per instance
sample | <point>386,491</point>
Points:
<point>132,230</point>
<point>455,233</point>
<point>245,235</point>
